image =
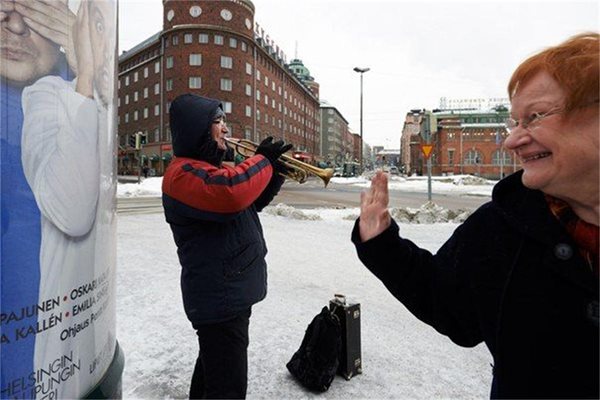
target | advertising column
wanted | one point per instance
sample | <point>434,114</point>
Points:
<point>57,202</point>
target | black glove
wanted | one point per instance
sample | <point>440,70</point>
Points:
<point>272,151</point>
<point>280,167</point>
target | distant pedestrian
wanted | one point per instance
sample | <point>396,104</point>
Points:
<point>212,209</point>
<point>145,170</point>
<point>521,273</point>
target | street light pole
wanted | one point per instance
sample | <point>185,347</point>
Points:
<point>361,71</point>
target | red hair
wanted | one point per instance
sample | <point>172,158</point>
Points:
<point>573,64</point>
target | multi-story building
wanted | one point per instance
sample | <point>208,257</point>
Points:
<point>464,142</point>
<point>212,48</point>
<point>337,145</point>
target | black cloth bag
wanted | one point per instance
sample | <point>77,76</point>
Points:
<point>316,362</point>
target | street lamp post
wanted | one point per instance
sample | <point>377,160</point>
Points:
<point>361,71</point>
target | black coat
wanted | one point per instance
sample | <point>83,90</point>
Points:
<point>509,276</point>
<point>212,210</point>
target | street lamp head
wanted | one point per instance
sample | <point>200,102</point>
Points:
<point>361,70</point>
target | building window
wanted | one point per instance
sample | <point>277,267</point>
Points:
<point>170,62</point>
<point>145,92</point>
<point>195,82</point>
<point>135,76</point>
<point>126,117</point>
<point>227,107</point>
<point>473,157</point>
<point>146,72</point>
<point>175,40</point>
<point>258,95</point>
<point>248,112</point>
<point>203,38</point>
<point>248,90</point>
<point>266,81</point>
<point>135,96</point>
<point>247,133</point>
<point>145,112</point>
<point>219,40</point>
<point>258,115</point>
<point>244,46</point>
<point>126,99</point>
<point>157,109</point>
<point>156,88</point>
<point>248,71</point>
<point>497,158</point>
<point>135,115</point>
<point>226,62</point>
<point>233,43</point>
<point>169,85</point>
<point>127,81</point>
<point>226,84</point>
<point>450,156</point>
<point>195,59</point>
<point>156,67</point>
<point>257,75</point>
<point>156,135</point>
<point>188,38</point>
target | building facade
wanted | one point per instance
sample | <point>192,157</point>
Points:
<point>464,142</point>
<point>337,144</point>
<point>215,49</point>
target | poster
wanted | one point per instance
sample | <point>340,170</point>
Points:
<point>57,160</point>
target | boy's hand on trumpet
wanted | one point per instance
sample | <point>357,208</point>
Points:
<point>272,150</point>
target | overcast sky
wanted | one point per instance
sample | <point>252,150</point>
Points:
<point>418,51</point>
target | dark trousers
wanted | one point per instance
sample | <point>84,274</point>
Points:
<point>221,370</point>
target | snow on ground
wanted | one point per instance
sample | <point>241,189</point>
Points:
<point>464,184</point>
<point>310,259</point>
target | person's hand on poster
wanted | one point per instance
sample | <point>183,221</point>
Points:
<point>83,51</point>
<point>52,19</point>
<point>374,215</point>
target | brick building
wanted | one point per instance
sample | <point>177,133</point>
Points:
<point>464,142</point>
<point>212,48</point>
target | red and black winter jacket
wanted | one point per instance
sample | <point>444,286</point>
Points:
<point>212,210</point>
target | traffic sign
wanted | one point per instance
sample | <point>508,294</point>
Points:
<point>426,149</point>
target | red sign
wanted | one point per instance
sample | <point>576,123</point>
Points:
<point>426,149</point>
<point>165,147</point>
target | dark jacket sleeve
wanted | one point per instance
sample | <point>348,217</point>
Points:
<point>432,287</point>
<point>270,191</point>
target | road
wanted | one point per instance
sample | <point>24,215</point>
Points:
<point>312,195</point>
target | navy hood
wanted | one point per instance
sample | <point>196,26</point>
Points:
<point>191,117</point>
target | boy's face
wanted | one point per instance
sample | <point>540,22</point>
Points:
<point>102,20</point>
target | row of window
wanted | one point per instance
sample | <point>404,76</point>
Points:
<point>228,109</point>
<point>136,74</point>
<point>195,59</point>
<point>203,38</point>
<point>474,157</point>
<point>145,94</point>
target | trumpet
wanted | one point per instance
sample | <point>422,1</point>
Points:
<point>297,170</point>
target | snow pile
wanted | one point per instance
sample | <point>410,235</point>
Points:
<point>428,213</point>
<point>283,210</point>
<point>148,187</point>
<point>471,180</point>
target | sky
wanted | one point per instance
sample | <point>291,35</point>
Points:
<point>418,51</point>
<point>310,259</point>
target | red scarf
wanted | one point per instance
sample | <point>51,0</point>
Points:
<point>585,235</point>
